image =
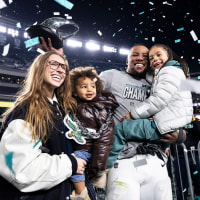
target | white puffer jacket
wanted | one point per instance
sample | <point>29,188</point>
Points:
<point>170,107</point>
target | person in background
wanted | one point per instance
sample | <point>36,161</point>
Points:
<point>132,171</point>
<point>191,144</point>
<point>94,117</point>
<point>157,115</point>
<point>36,157</point>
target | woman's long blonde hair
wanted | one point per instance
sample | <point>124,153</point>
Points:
<point>38,113</point>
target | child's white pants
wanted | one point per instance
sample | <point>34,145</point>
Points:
<point>142,177</point>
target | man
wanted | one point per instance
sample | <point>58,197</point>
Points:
<point>138,177</point>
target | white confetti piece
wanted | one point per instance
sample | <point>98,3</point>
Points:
<point>99,32</point>
<point>56,13</point>
<point>2,4</point>
<point>6,50</point>
<point>194,36</point>
<point>69,17</point>
<point>165,2</point>
<point>40,51</point>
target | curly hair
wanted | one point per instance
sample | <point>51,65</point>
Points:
<point>88,72</point>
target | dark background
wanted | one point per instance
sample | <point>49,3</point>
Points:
<point>123,22</point>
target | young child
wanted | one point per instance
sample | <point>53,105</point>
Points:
<point>93,131</point>
<point>171,108</point>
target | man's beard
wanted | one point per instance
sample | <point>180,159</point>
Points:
<point>133,72</point>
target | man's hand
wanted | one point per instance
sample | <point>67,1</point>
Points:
<point>172,137</point>
<point>43,45</point>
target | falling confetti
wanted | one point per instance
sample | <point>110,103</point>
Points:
<point>18,25</point>
<point>100,33</point>
<point>6,50</point>
<point>165,2</point>
<point>40,51</point>
<point>2,4</point>
<point>177,41</point>
<point>180,29</point>
<point>65,3</point>
<point>31,42</point>
<point>194,36</point>
<point>56,13</point>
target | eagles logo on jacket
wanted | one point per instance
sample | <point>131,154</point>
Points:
<point>93,114</point>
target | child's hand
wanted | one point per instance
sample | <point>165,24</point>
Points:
<point>127,116</point>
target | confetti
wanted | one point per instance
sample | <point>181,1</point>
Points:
<point>40,51</point>
<point>180,29</point>
<point>56,13</point>
<point>31,42</point>
<point>177,41</point>
<point>165,2</point>
<point>18,25</point>
<point>100,33</point>
<point>2,4</point>
<point>194,36</point>
<point>69,17</point>
<point>6,50</point>
<point>65,3</point>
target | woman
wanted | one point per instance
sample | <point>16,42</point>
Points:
<point>35,156</point>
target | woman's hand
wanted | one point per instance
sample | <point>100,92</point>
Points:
<point>43,45</point>
<point>80,165</point>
